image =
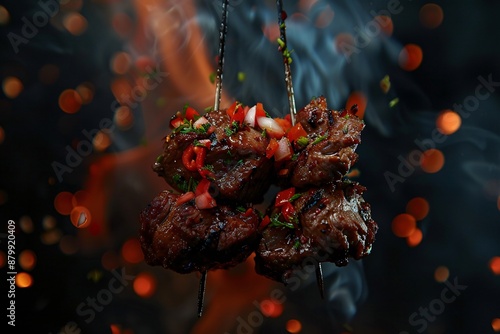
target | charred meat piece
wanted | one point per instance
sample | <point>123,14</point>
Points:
<point>234,158</point>
<point>330,224</point>
<point>186,239</point>
<point>333,138</point>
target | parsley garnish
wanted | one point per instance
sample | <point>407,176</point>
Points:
<point>275,222</point>
<point>319,139</point>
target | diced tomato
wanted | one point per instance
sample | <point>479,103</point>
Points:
<point>205,142</point>
<point>264,222</point>
<point>238,115</point>
<point>288,117</point>
<point>248,213</point>
<point>202,187</point>
<point>185,198</point>
<point>191,114</point>
<point>288,212</point>
<point>259,110</point>
<point>231,109</point>
<point>176,122</point>
<point>205,201</point>
<point>273,129</point>
<point>296,132</point>
<point>284,196</point>
<point>284,124</point>
<point>271,148</point>
<point>284,151</point>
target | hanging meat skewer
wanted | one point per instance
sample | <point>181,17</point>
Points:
<point>224,161</point>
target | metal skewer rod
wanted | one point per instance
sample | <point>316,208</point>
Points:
<point>319,279</point>
<point>283,47</point>
<point>201,292</point>
<point>220,65</point>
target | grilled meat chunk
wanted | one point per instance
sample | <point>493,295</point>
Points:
<point>333,223</point>
<point>235,159</point>
<point>186,239</point>
<point>333,138</point>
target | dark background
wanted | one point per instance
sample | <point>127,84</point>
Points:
<point>461,231</point>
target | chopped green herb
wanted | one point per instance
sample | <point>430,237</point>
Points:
<point>295,156</point>
<point>280,42</point>
<point>263,133</point>
<point>303,141</point>
<point>211,77</point>
<point>275,222</point>
<point>210,168</point>
<point>319,139</point>
<point>345,130</point>
<point>297,244</point>
<point>294,197</point>
<point>241,76</point>
<point>385,84</point>
<point>159,159</point>
<point>393,102</point>
<point>241,209</point>
<point>228,131</point>
<point>208,109</point>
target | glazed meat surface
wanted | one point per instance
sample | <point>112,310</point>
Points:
<point>331,152</point>
<point>241,170</point>
<point>334,223</point>
<point>186,239</point>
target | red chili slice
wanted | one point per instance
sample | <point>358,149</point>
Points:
<point>288,212</point>
<point>193,158</point>
<point>265,221</point>
<point>271,148</point>
<point>185,198</point>
<point>284,196</point>
<point>191,114</point>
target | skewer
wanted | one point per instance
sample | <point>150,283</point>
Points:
<point>201,292</point>
<point>286,60</point>
<point>220,65</point>
<point>319,279</point>
<point>218,94</point>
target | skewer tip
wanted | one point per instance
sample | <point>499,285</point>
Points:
<point>201,292</point>
<point>319,279</point>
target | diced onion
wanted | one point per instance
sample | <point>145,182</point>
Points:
<point>273,129</point>
<point>284,151</point>
<point>250,117</point>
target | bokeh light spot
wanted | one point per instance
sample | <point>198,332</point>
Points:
<point>70,101</point>
<point>271,308</point>
<point>3,259</point>
<point>12,87</point>
<point>344,44</point>
<point>448,122</point>
<point>431,15</point>
<point>26,224</point>
<point>75,23</point>
<point>403,225</point>
<point>4,16</point>
<point>385,23</point>
<point>27,259</point>
<point>325,18</point>
<point>124,118</point>
<point>110,260</point>
<point>415,238</point>
<point>86,92</point>
<point>24,280</point>
<point>63,202</point>
<point>68,245</point>
<point>358,98</point>
<point>418,207</point>
<point>101,141</point>
<point>441,274</point>
<point>132,252</point>
<point>494,265</point>
<point>293,326</point>
<point>432,161</point>
<point>495,324</point>
<point>2,135</point>
<point>80,217</point>
<point>121,62</point>
<point>271,31</point>
<point>410,57</point>
<point>145,285</point>
<point>122,24</point>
